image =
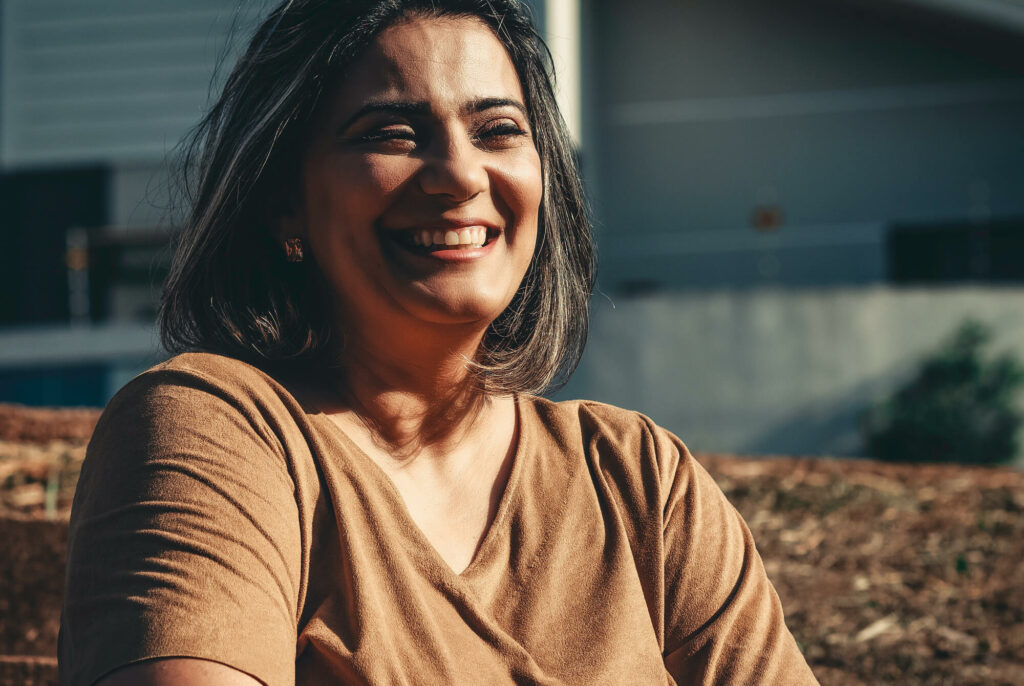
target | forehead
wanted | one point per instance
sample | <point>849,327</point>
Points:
<point>444,61</point>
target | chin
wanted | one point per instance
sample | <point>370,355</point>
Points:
<point>461,306</point>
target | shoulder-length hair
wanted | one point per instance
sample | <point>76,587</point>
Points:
<point>230,289</point>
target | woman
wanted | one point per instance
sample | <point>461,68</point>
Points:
<point>349,480</point>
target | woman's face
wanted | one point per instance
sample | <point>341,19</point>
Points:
<point>422,184</point>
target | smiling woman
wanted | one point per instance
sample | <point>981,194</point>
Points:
<point>345,477</point>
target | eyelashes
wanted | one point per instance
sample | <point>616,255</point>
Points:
<point>388,134</point>
<point>405,136</point>
<point>500,131</point>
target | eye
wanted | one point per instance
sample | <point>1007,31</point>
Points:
<point>500,133</point>
<point>400,136</point>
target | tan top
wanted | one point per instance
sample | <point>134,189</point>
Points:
<point>218,517</point>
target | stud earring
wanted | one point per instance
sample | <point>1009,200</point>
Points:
<point>293,249</point>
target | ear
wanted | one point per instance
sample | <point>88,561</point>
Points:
<point>289,226</point>
<point>291,223</point>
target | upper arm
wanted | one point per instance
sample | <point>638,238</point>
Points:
<point>723,620</point>
<point>184,538</point>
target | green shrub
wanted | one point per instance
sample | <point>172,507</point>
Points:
<point>958,407</point>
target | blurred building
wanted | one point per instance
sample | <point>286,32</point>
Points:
<point>806,143</point>
<point>94,97</point>
<point>794,198</point>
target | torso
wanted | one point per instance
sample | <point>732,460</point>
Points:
<point>548,593</point>
<point>610,559</point>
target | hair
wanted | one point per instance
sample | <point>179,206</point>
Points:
<point>230,289</point>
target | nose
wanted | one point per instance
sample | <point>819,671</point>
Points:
<point>454,171</point>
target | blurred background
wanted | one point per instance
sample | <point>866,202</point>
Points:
<point>798,204</point>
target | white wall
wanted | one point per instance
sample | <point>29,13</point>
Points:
<point>784,372</point>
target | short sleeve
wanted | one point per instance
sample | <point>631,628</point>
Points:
<point>184,538</point>
<point>723,619</point>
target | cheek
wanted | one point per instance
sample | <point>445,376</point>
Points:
<point>372,183</point>
<point>381,176</point>
<point>531,190</point>
<point>523,191</point>
<point>358,190</point>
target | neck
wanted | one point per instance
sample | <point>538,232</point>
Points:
<point>413,391</point>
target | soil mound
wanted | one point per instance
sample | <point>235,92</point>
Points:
<point>42,425</point>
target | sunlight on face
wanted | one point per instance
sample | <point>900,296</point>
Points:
<point>422,184</point>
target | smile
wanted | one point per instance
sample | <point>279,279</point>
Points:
<point>440,241</point>
<point>472,237</point>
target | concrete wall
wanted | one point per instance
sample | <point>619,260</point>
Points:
<point>784,372</point>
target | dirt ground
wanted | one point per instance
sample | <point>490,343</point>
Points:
<point>889,574</point>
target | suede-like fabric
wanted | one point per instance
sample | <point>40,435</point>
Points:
<point>219,516</point>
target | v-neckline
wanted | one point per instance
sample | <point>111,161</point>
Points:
<point>421,545</point>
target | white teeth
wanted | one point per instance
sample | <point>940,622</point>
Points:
<point>471,236</point>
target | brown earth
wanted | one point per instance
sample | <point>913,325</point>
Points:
<point>889,574</point>
<point>41,425</point>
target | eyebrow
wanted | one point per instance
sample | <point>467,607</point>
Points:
<point>406,108</point>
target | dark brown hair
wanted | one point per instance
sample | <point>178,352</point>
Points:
<point>230,289</point>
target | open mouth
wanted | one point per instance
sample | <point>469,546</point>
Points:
<point>426,241</point>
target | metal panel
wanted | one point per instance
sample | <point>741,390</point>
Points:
<point>110,81</point>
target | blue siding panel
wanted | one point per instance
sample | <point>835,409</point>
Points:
<point>111,81</point>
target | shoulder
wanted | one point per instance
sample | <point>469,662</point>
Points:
<point>202,380</point>
<point>592,420</point>
<point>588,416</point>
<point>190,369</point>
<point>194,419</point>
<point>199,396</point>
<point>624,443</point>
